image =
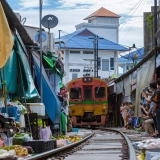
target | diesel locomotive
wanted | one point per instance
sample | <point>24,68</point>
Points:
<point>88,101</point>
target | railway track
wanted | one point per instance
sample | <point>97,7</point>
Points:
<point>102,144</point>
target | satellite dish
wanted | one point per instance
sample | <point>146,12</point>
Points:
<point>49,21</point>
<point>37,37</point>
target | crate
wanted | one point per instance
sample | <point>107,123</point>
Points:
<point>40,146</point>
<point>34,124</point>
<point>16,116</point>
<point>12,112</point>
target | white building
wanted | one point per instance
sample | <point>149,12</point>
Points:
<point>79,46</point>
<point>104,23</point>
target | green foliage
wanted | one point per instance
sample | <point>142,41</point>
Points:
<point>150,23</point>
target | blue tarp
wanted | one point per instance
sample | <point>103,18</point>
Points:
<point>50,99</point>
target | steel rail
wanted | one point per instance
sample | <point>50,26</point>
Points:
<point>53,152</point>
<point>132,154</point>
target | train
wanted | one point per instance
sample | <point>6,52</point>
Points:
<point>88,101</point>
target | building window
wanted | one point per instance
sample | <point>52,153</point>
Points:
<point>105,64</point>
<point>111,63</point>
<point>99,63</point>
<point>74,76</point>
<point>75,52</point>
<point>87,52</point>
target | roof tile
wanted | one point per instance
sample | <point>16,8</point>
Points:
<point>76,40</point>
<point>102,12</point>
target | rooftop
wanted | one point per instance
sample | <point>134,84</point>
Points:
<point>129,57</point>
<point>83,39</point>
<point>102,12</point>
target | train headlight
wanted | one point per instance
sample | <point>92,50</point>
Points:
<point>87,79</point>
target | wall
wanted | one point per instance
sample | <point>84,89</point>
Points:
<point>148,34</point>
<point>108,32</point>
<point>33,31</point>
<point>76,61</point>
<point>103,26</point>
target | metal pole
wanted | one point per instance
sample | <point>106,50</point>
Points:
<point>94,56</point>
<point>59,38</point>
<point>97,54</point>
<point>59,33</point>
<point>5,91</point>
<point>40,35</point>
<point>155,39</point>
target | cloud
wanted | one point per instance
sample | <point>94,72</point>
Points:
<point>72,12</point>
<point>32,3</point>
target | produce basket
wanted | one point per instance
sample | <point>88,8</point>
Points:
<point>40,146</point>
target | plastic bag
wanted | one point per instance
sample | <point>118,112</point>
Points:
<point>45,133</point>
<point>61,143</point>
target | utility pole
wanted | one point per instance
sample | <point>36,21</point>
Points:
<point>96,38</point>
<point>155,39</point>
<point>97,55</point>
<point>40,37</point>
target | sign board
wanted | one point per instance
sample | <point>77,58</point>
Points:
<point>114,76</point>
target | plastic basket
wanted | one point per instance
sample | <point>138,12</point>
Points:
<point>40,146</point>
<point>150,155</point>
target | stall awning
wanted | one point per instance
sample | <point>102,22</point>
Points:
<point>127,85</point>
<point>119,87</point>
<point>144,77</point>
<point>133,87</point>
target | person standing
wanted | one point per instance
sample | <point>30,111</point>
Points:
<point>148,96</point>
<point>122,115</point>
<point>125,117</point>
<point>156,99</point>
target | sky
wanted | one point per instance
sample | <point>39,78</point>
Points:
<point>72,12</point>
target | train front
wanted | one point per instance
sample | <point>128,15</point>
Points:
<point>88,101</point>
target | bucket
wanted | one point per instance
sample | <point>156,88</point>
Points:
<point>75,129</point>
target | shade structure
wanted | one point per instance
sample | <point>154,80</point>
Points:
<point>6,38</point>
<point>50,99</point>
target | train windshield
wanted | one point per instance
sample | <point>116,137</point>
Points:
<point>99,92</point>
<point>88,93</point>
<point>75,93</point>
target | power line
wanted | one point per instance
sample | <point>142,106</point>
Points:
<point>133,21</point>
<point>131,10</point>
<point>128,18</point>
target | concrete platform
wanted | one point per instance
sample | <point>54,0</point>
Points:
<point>94,157</point>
